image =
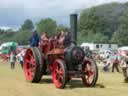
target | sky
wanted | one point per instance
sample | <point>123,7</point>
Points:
<point>14,12</point>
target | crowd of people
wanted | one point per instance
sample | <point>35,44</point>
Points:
<point>112,61</point>
<point>13,58</point>
<point>117,62</point>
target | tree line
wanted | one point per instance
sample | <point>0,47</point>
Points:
<point>107,23</point>
<point>23,34</point>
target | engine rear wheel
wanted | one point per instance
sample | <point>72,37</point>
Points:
<point>42,61</point>
<point>59,73</point>
<point>90,70</point>
<point>32,65</point>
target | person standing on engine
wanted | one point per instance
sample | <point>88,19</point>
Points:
<point>34,40</point>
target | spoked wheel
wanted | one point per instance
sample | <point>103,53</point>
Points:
<point>32,65</point>
<point>59,73</point>
<point>90,70</point>
<point>42,61</point>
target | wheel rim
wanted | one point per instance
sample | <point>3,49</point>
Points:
<point>89,71</point>
<point>29,65</point>
<point>57,75</point>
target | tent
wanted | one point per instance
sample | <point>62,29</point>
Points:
<point>123,50</point>
<point>5,48</point>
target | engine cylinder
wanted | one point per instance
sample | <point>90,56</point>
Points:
<point>74,55</point>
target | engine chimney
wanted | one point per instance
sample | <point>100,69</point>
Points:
<point>73,27</point>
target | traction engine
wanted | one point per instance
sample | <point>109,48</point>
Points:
<point>64,64</point>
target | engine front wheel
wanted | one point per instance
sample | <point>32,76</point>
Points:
<point>59,73</point>
<point>90,70</point>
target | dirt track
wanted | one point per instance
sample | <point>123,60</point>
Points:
<point>12,83</point>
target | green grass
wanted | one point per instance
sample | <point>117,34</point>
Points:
<point>13,83</point>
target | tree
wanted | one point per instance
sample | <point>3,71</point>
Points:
<point>93,37</point>
<point>90,21</point>
<point>10,30</point>
<point>2,31</point>
<point>92,26</point>
<point>22,37</point>
<point>121,35</point>
<point>61,27</point>
<point>27,26</point>
<point>47,25</point>
<point>103,19</point>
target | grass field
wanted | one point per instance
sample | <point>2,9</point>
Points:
<point>12,83</point>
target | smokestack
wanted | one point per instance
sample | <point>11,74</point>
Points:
<point>73,27</point>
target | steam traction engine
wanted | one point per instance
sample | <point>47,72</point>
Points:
<point>64,64</point>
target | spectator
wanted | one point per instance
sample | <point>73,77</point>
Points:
<point>34,40</point>
<point>115,62</point>
<point>125,67</point>
<point>107,64</point>
<point>88,52</point>
<point>20,57</point>
<point>12,59</point>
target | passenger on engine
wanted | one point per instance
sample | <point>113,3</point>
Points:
<point>44,38</point>
<point>44,42</point>
<point>67,39</point>
<point>60,38</point>
<point>53,42</point>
